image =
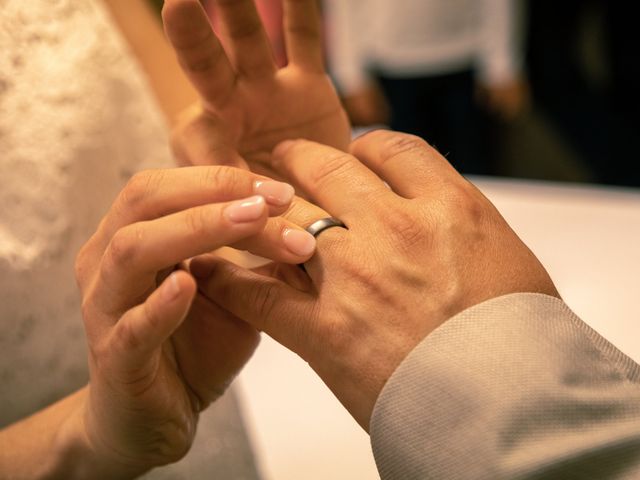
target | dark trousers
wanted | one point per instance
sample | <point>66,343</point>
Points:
<point>440,109</point>
<point>600,122</point>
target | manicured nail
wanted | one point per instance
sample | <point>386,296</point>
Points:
<point>247,210</point>
<point>275,193</point>
<point>299,242</point>
<point>170,288</point>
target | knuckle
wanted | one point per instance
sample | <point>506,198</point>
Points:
<point>123,247</point>
<point>197,219</point>
<point>80,265</point>
<point>197,55</point>
<point>463,202</point>
<point>264,300</point>
<point>126,337</point>
<point>406,229</point>
<point>223,179</point>
<point>302,213</point>
<point>139,186</point>
<point>332,165</point>
<point>401,143</point>
<point>245,30</point>
<point>304,30</point>
<point>201,64</point>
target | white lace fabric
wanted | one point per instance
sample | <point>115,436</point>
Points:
<point>76,121</point>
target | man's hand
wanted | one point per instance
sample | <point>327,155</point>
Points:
<point>159,351</point>
<point>422,245</point>
<point>248,105</point>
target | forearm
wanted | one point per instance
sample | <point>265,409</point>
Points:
<point>53,444</point>
<point>500,48</point>
<point>143,31</point>
<point>346,20</point>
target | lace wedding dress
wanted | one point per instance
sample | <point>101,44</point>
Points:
<point>76,120</point>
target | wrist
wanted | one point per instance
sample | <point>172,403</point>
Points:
<point>80,455</point>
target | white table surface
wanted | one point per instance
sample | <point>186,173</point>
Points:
<point>587,237</point>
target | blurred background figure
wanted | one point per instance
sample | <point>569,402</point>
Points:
<point>582,59</point>
<point>425,66</point>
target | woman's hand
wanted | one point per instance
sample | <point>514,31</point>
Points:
<point>422,244</point>
<point>249,105</point>
<point>159,351</point>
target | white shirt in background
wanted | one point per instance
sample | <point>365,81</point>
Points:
<point>406,38</point>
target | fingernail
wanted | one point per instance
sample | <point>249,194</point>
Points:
<point>282,147</point>
<point>170,288</point>
<point>299,242</point>
<point>247,210</point>
<point>275,193</point>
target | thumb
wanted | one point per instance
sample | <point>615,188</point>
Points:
<point>142,330</point>
<point>266,303</point>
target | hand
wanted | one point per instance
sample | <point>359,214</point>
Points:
<point>159,351</point>
<point>414,255</point>
<point>247,102</point>
<point>506,100</point>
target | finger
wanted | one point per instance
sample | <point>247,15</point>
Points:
<point>199,51</point>
<point>410,166</point>
<point>266,303</point>
<point>156,193</point>
<point>141,331</point>
<point>281,241</point>
<point>139,251</point>
<point>245,38</point>
<point>303,34</point>
<point>290,274</point>
<point>332,179</point>
<point>285,240</point>
<point>201,138</point>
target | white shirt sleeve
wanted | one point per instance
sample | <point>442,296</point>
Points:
<point>347,28</point>
<point>500,43</point>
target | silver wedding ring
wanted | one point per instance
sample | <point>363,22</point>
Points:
<point>323,224</point>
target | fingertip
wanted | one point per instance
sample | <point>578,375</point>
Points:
<point>299,242</point>
<point>177,16</point>
<point>178,284</point>
<point>276,194</point>
<point>248,210</point>
<point>201,266</point>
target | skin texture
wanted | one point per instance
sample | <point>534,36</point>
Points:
<point>159,351</point>
<point>439,246</point>
<point>249,105</point>
<point>414,255</point>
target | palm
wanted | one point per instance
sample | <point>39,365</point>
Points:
<point>292,104</point>
<point>253,104</point>
<point>191,370</point>
<point>210,348</point>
